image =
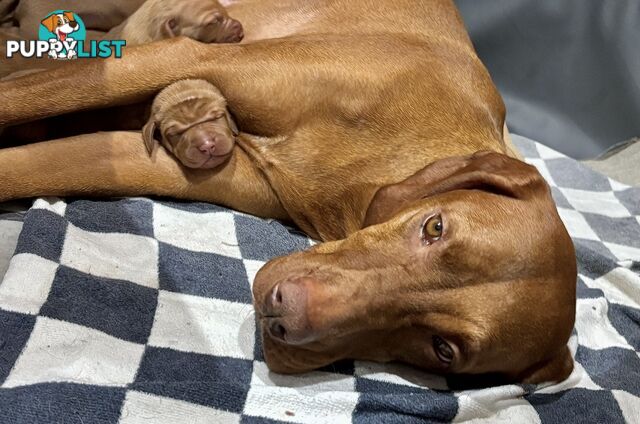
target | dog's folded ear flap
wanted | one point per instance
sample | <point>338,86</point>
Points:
<point>232,123</point>
<point>69,16</point>
<point>50,22</point>
<point>487,171</point>
<point>148,132</point>
<point>170,28</point>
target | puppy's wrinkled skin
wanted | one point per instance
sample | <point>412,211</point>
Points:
<point>371,136</point>
<point>194,124</point>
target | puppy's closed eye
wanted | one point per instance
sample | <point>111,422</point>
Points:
<point>217,114</point>
<point>172,135</point>
<point>216,20</point>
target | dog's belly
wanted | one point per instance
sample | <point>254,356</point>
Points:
<point>266,19</point>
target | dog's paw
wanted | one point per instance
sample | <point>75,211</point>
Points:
<point>53,54</point>
<point>71,54</point>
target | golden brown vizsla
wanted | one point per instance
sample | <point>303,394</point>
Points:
<point>364,123</point>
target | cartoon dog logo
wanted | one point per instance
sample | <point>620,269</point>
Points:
<point>62,24</point>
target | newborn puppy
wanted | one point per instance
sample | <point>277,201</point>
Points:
<point>202,20</point>
<point>193,122</point>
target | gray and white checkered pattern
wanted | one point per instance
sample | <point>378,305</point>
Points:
<point>140,311</point>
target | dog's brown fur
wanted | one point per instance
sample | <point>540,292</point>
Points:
<point>361,124</point>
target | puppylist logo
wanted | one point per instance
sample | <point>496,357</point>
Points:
<point>62,36</point>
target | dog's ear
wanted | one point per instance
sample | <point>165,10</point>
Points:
<point>50,22</point>
<point>70,16</point>
<point>232,123</point>
<point>487,171</point>
<point>170,28</point>
<point>148,132</point>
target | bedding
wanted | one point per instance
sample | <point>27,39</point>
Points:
<point>139,310</point>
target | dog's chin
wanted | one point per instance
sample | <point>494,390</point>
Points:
<point>287,359</point>
<point>208,163</point>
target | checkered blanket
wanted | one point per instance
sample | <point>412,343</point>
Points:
<point>140,311</point>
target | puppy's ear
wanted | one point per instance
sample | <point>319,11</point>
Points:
<point>170,28</point>
<point>232,123</point>
<point>50,23</point>
<point>487,171</point>
<point>147,136</point>
<point>69,16</point>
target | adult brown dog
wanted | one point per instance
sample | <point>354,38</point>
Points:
<point>364,123</point>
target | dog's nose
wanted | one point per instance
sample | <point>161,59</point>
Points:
<point>207,146</point>
<point>285,310</point>
<point>233,30</point>
<point>73,24</point>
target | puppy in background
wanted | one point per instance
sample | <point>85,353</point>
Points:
<point>193,123</point>
<point>203,20</point>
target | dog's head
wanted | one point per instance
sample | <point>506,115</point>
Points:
<point>61,24</point>
<point>194,124</point>
<point>463,268</point>
<point>205,21</point>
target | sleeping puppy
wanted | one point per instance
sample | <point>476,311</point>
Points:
<point>193,122</point>
<point>202,20</point>
<point>136,21</point>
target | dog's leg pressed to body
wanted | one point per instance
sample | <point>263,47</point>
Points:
<point>269,84</point>
<point>116,164</point>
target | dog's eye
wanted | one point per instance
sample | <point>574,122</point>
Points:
<point>172,135</point>
<point>432,229</point>
<point>443,350</point>
<point>217,18</point>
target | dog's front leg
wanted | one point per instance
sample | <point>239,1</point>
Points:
<point>117,164</point>
<point>272,86</point>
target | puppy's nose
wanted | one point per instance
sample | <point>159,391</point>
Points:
<point>285,310</point>
<point>207,147</point>
<point>73,24</point>
<point>233,30</point>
